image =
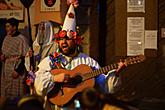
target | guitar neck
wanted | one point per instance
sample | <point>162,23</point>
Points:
<point>103,70</point>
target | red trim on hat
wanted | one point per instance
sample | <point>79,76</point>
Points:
<point>72,35</point>
<point>71,15</point>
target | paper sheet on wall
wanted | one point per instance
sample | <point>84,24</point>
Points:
<point>135,5</point>
<point>135,36</point>
<point>151,39</point>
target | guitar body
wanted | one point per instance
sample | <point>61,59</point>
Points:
<point>66,93</point>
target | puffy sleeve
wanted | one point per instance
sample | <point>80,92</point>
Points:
<point>108,83</point>
<point>43,82</point>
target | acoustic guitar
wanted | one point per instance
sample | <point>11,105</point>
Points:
<point>82,77</point>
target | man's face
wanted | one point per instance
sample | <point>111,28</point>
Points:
<point>41,33</point>
<point>67,46</point>
<point>10,29</point>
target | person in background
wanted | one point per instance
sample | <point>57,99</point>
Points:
<point>31,102</point>
<point>91,99</point>
<point>13,51</point>
<point>43,44</point>
<point>48,82</point>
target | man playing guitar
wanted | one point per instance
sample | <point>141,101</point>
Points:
<point>63,74</point>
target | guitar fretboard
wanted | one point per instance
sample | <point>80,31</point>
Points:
<point>103,70</point>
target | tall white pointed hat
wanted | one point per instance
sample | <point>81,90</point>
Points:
<point>70,20</point>
<point>69,25</point>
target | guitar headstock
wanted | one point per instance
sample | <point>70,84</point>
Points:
<point>134,59</point>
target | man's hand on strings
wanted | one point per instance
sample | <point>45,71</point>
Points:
<point>121,66</point>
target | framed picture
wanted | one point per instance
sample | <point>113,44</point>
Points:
<point>11,8</point>
<point>50,5</point>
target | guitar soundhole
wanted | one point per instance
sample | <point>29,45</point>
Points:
<point>74,81</point>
